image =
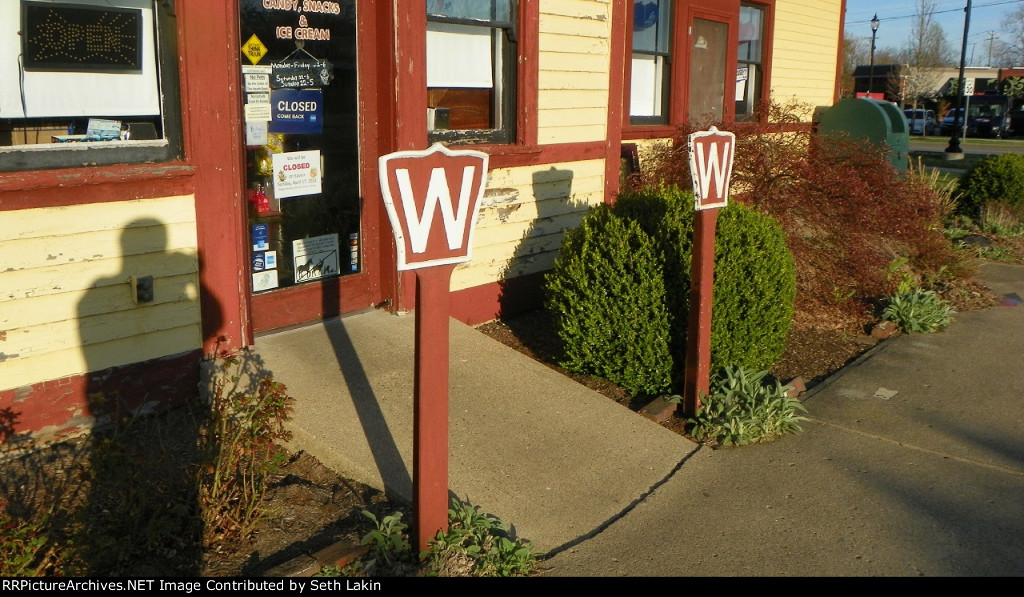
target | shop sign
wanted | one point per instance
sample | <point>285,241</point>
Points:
<point>315,258</point>
<point>297,111</point>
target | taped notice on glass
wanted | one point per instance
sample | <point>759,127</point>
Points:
<point>297,173</point>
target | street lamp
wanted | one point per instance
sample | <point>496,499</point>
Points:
<point>953,151</point>
<point>874,31</point>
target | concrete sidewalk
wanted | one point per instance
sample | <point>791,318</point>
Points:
<point>912,462</point>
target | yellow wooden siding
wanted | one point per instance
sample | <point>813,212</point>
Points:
<point>523,218</point>
<point>65,296</point>
<point>805,51</point>
<point>573,71</point>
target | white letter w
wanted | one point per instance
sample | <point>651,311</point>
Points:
<point>437,192</point>
<point>713,165</point>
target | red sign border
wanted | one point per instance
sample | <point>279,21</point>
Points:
<point>698,194</point>
<point>398,227</point>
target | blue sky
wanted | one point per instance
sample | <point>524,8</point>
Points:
<point>897,16</point>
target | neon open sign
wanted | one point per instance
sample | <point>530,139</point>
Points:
<point>80,38</point>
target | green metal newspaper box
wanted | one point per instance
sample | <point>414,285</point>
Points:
<point>877,121</point>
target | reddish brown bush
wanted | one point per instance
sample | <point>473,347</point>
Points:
<point>856,226</point>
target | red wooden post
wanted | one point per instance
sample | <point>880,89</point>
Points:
<point>711,156</point>
<point>430,407</point>
<point>696,379</point>
<point>432,198</point>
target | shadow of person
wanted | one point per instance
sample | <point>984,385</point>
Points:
<point>140,511</point>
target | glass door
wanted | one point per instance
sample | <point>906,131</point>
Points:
<point>299,96</point>
<point>709,43</point>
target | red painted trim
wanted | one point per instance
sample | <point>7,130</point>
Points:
<point>769,47</point>
<point>528,72</point>
<point>310,302</point>
<point>839,53</point>
<point>375,38</point>
<point>51,410</point>
<point>498,300</point>
<point>617,91</point>
<point>82,186</point>
<point>211,127</point>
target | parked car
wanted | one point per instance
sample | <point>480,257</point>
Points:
<point>947,124</point>
<point>987,116</point>
<point>921,122</point>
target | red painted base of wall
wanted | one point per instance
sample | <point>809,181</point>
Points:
<point>500,300</point>
<point>57,409</point>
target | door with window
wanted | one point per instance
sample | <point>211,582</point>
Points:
<point>708,81</point>
<point>307,254</point>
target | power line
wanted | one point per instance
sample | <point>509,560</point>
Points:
<point>914,16</point>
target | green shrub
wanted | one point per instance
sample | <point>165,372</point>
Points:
<point>620,290</point>
<point>754,276</point>
<point>755,288</point>
<point>478,544</point>
<point>919,311</point>
<point>608,297</point>
<point>741,409</point>
<point>995,178</point>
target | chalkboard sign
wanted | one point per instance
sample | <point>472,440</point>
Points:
<point>297,74</point>
<point>80,38</point>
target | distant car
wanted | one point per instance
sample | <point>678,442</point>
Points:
<point>947,124</point>
<point>987,116</point>
<point>921,122</point>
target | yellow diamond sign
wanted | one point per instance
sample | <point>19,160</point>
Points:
<point>254,49</point>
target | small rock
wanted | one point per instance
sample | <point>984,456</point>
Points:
<point>797,387</point>
<point>659,409</point>
<point>884,329</point>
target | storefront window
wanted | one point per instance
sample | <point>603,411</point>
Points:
<point>649,78</point>
<point>471,70</point>
<point>301,138</point>
<point>750,59</point>
<point>87,74</point>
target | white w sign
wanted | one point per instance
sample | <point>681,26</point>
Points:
<point>418,184</point>
<point>711,156</point>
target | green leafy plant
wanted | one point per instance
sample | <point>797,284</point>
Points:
<point>620,290</point>
<point>389,541</point>
<point>607,293</point>
<point>918,311</point>
<point>26,549</point>
<point>478,544</point>
<point>741,409</point>
<point>996,178</point>
<point>241,448</point>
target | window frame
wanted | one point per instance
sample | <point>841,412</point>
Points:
<point>170,147</point>
<point>506,86</point>
<point>667,72</point>
<point>726,11</point>
<point>750,104</point>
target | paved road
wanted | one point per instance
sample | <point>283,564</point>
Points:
<point>971,145</point>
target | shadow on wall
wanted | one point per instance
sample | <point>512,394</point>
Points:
<point>521,284</point>
<point>122,499</point>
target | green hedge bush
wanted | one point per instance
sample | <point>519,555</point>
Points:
<point>754,289</point>
<point>607,292</point>
<point>996,178</point>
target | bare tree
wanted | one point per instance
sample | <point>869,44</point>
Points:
<point>855,51</point>
<point>927,49</point>
<point>1009,49</point>
<point>928,45</point>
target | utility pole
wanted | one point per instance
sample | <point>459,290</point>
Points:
<point>992,35</point>
<point>954,151</point>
